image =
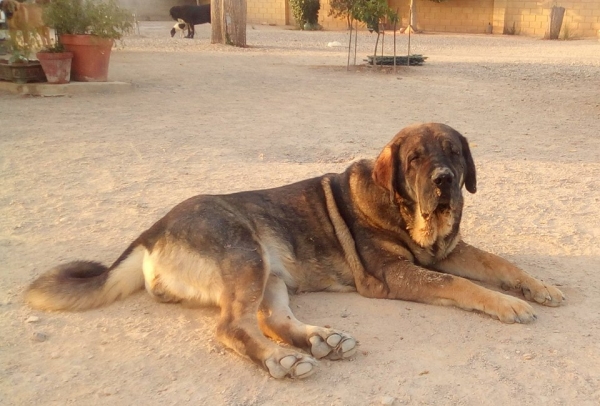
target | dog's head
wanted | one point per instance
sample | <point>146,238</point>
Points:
<point>427,165</point>
<point>9,8</point>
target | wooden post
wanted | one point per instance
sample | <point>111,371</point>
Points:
<point>556,20</point>
<point>395,27</point>
<point>234,17</point>
<point>349,47</point>
<point>382,41</point>
<point>409,30</point>
<point>355,39</point>
<point>216,22</point>
<point>412,20</point>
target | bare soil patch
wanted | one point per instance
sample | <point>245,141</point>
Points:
<point>82,176</point>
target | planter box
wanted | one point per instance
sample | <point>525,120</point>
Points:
<point>22,73</point>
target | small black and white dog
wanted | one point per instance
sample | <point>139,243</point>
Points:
<point>180,26</point>
<point>192,15</point>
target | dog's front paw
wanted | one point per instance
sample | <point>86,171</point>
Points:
<point>511,310</point>
<point>539,292</point>
<point>332,344</point>
<point>292,365</point>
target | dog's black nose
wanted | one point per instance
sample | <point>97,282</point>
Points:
<point>442,177</point>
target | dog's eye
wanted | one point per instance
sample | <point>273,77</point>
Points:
<point>413,158</point>
<point>450,148</point>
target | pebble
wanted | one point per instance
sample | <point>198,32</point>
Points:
<point>528,356</point>
<point>108,391</point>
<point>387,400</point>
<point>39,337</point>
<point>33,319</point>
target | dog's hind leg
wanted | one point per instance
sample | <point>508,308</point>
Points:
<point>238,326</point>
<point>277,321</point>
<point>44,33</point>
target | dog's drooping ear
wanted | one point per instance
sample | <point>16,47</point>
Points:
<point>385,171</point>
<point>470,176</point>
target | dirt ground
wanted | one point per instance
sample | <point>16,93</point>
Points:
<point>82,176</point>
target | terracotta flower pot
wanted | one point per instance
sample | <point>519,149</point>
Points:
<point>21,73</point>
<point>56,65</point>
<point>91,56</point>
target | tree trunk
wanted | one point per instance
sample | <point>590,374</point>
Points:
<point>556,19</point>
<point>216,22</point>
<point>376,43</point>
<point>234,17</point>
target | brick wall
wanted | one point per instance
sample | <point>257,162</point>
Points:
<point>267,12</point>
<point>582,17</point>
<point>466,16</point>
<point>156,10</point>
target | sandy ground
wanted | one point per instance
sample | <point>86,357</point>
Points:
<point>83,176</point>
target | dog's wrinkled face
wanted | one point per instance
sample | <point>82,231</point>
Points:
<point>8,8</point>
<point>426,165</point>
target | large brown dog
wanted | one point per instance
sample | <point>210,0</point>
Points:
<point>387,229</point>
<point>27,18</point>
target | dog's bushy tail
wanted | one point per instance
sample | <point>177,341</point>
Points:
<point>82,285</point>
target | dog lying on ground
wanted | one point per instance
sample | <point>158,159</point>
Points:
<point>27,18</point>
<point>387,228</point>
<point>192,15</point>
<point>180,26</point>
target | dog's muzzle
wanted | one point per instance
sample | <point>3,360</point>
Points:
<point>443,181</point>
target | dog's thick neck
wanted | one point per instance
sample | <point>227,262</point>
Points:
<point>435,230</point>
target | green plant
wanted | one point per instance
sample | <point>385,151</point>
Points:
<point>352,9</point>
<point>306,12</point>
<point>20,51</point>
<point>56,48</point>
<point>371,12</point>
<point>341,9</point>
<point>104,19</point>
<point>567,34</point>
<point>510,30</point>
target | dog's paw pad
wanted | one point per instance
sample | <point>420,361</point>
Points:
<point>303,370</point>
<point>512,310</point>
<point>333,346</point>
<point>318,347</point>
<point>296,366</point>
<point>546,295</point>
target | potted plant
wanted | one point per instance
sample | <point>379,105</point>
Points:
<point>88,28</point>
<point>56,62</point>
<point>19,68</point>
